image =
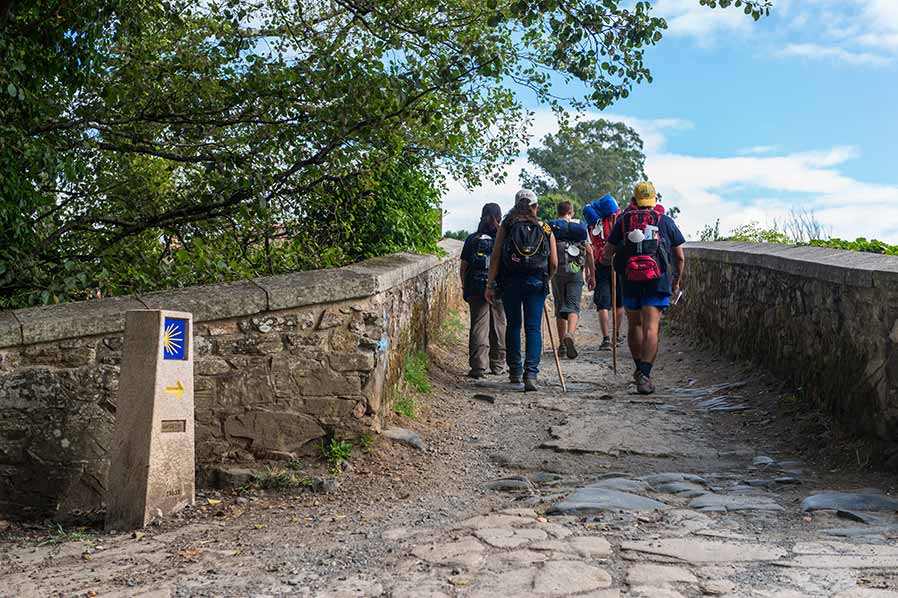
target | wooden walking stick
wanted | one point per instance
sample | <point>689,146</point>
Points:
<point>554,350</point>
<point>614,320</point>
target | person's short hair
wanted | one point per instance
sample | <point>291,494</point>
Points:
<point>564,208</point>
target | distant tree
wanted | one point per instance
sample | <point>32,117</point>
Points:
<point>587,160</point>
<point>460,234</point>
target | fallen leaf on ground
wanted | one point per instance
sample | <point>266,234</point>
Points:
<point>188,553</point>
<point>213,502</point>
<point>137,535</point>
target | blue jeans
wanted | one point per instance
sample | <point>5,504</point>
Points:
<point>524,302</point>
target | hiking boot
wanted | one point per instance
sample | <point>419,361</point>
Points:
<point>644,385</point>
<point>530,383</point>
<point>636,375</point>
<point>515,378</point>
<point>568,343</point>
<point>475,373</point>
<point>497,370</point>
<point>606,344</point>
<point>562,350</point>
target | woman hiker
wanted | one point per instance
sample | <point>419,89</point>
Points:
<point>523,260</point>
<point>486,339</point>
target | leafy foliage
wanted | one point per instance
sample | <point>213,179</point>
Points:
<point>459,235</point>
<point>150,143</point>
<point>336,452</point>
<point>754,233</point>
<point>587,160</point>
<point>859,244</point>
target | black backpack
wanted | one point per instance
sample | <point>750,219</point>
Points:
<point>478,267</point>
<point>526,249</point>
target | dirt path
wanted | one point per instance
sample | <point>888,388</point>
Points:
<point>599,492</point>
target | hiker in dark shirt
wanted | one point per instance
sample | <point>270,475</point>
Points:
<point>486,339</point>
<point>647,250</point>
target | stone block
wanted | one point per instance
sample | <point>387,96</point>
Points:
<point>72,320</point>
<point>246,344</point>
<point>353,362</point>
<point>246,386</point>
<point>315,287</point>
<point>211,366</point>
<point>212,302</point>
<point>390,271</point>
<point>333,409</point>
<point>77,354</point>
<point>324,381</point>
<point>274,430</point>
<point>10,330</point>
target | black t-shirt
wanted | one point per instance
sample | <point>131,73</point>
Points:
<point>670,237</point>
<point>470,243</point>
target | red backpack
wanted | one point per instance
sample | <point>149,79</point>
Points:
<point>643,257</point>
<point>603,228</point>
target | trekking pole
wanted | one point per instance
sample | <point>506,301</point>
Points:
<point>614,320</point>
<point>554,350</point>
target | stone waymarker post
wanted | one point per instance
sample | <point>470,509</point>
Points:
<point>152,461</point>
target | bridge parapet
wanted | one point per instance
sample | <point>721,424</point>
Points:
<point>824,319</point>
<point>280,363</point>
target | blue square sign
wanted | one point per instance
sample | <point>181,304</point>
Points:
<point>174,339</point>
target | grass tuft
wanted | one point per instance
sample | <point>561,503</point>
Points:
<point>451,330</point>
<point>58,535</point>
<point>415,372</point>
<point>405,405</point>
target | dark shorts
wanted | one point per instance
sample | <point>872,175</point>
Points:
<point>637,296</point>
<point>566,292</point>
<point>602,295</point>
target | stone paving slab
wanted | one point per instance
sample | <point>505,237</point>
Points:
<point>705,551</point>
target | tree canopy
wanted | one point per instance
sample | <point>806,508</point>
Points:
<point>136,135</point>
<point>587,160</point>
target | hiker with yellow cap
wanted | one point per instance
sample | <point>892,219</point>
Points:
<point>647,251</point>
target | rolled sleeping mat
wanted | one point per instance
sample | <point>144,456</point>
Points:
<point>563,230</point>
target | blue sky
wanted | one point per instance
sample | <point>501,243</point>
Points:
<point>746,121</point>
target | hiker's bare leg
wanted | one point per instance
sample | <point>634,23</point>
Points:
<point>572,320</point>
<point>634,333</point>
<point>603,322</point>
<point>651,320</point>
<point>561,324</point>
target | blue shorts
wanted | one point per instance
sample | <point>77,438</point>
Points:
<point>634,301</point>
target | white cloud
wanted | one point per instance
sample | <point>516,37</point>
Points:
<point>740,189</point>
<point>834,54</point>
<point>689,18</point>
<point>758,149</point>
<point>758,185</point>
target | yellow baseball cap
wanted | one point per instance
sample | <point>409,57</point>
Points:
<point>644,195</point>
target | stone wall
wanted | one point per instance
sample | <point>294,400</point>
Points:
<point>824,319</point>
<point>280,363</point>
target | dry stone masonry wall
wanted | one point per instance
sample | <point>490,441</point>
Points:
<point>280,363</point>
<point>824,319</point>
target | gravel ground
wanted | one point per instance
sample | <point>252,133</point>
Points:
<point>481,509</point>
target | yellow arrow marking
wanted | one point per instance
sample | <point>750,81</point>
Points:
<point>176,390</point>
